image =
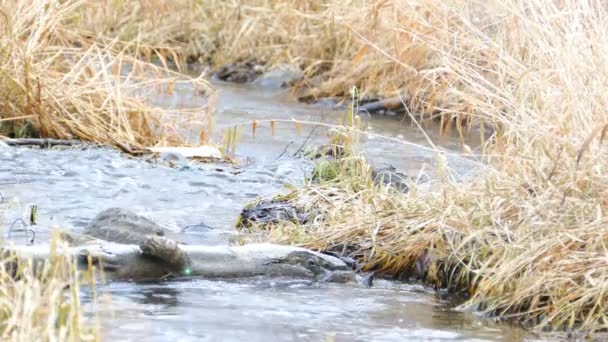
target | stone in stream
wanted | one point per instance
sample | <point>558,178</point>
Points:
<point>241,72</point>
<point>389,105</point>
<point>123,226</point>
<point>390,176</point>
<point>280,76</point>
<point>272,211</point>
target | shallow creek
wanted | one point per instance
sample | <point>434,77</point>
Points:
<point>203,200</point>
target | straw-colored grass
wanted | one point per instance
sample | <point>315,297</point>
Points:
<point>527,238</point>
<point>42,302</point>
<point>55,82</point>
<point>338,44</point>
<point>384,48</point>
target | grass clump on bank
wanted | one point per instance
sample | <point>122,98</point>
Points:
<point>527,237</point>
<point>57,83</point>
<point>42,302</point>
<point>338,44</point>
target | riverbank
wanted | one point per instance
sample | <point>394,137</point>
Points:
<point>204,200</point>
<point>525,237</point>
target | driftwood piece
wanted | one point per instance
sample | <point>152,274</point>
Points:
<point>43,143</point>
<point>50,143</point>
<point>166,250</point>
<point>395,104</point>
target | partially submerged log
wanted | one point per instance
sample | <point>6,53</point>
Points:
<point>127,246</point>
<point>151,262</point>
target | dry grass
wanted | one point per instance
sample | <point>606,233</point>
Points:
<point>338,44</point>
<point>528,238</point>
<point>42,302</point>
<point>385,48</point>
<point>55,82</point>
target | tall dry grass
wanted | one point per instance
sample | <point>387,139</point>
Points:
<point>338,44</point>
<point>56,82</point>
<point>527,238</point>
<point>42,302</point>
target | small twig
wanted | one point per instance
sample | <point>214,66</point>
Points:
<point>312,131</point>
<point>284,150</point>
<point>17,118</point>
<point>25,229</point>
<point>128,150</point>
<point>42,143</point>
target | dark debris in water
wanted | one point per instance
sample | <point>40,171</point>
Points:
<point>272,212</point>
<point>240,72</point>
<point>49,143</point>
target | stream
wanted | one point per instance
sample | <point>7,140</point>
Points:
<point>203,200</point>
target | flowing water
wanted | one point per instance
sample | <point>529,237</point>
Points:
<point>203,200</point>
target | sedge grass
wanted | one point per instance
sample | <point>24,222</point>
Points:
<point>57,84</point>
<point>338,44</point>
<point>41,302</point>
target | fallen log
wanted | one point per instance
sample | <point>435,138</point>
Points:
<point>161,258</point>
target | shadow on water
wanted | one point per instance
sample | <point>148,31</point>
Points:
<point>70,187</point>
<point>262,310</point>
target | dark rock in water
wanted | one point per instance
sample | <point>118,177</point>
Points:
<point>366,279</point>
<point>276,210</point>
<point>123,226</point>
<point>280,76</point>
<point>273,211</point>
<point>329,151</point>
<point>242,72</point>
<point>391,177</point>
<point>391,105</point>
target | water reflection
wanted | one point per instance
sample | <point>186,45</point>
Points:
<point>262,310</point>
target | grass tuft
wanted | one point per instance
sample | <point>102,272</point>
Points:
<point>41,301</point>
<point>54,82</point>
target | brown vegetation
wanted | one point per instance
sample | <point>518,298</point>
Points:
<point>42,302</point>
<point>55,82</point>
<point>376,46</point>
